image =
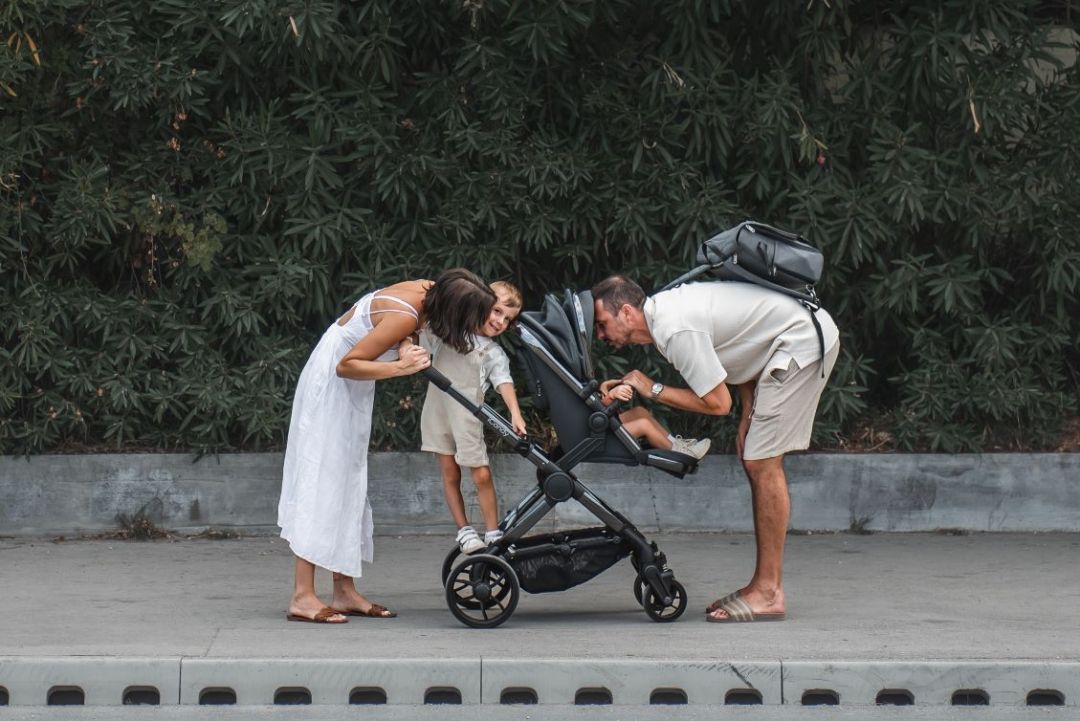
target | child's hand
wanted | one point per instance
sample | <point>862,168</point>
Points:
<point>606,386</point>
<point>622,392</point>
<point>518,424</point>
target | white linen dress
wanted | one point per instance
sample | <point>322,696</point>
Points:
<point>324,511</point>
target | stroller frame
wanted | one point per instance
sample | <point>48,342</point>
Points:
<point>482,589</point>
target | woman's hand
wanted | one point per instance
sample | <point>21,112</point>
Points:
<point>413,359</point>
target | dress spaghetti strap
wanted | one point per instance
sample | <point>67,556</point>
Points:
<point>411,311</point>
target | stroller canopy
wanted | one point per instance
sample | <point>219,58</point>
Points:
<point>565,328</point>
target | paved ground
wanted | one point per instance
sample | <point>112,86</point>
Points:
<point>918,597</point>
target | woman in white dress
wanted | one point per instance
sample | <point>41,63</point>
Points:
<point>324,512</point>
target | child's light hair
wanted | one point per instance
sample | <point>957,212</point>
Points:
<point>502,287</point>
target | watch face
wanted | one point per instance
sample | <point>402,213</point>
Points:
<point>656,388</point>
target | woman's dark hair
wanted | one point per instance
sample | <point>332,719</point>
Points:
<point>456,306</point>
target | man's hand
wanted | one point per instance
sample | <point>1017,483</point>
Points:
<point>639,382</point>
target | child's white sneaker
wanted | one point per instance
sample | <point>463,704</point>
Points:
<point>491,536</point>
<point>469,541</point>
<point>691,446</point>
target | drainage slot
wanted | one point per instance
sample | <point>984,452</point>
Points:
<point>743,697</point>
<point>518,696</point>
<point>442,696</point>
<point>4,698</point>
<point>1046,697</point>
<point>971,697</point>
<point>820,697</point>
<point>367,696</point>
<point>668,697</point>
<point>217,697</point>
<point>141,696</point>
<point>66,696</point>
<point>895,697</point>
<point>592,697</point>
<point>297,696</point>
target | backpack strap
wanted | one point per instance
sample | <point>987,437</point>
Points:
<point>817,328</point>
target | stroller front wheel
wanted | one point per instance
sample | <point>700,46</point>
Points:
<point>482,591</point>
<point>654,605</point>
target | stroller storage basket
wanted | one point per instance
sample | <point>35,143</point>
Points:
<point>558,561</point>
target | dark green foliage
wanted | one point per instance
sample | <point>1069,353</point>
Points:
<point>191,191</point>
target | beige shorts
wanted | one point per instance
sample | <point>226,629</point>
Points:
<point>785,402</point>
<point>450,430</point>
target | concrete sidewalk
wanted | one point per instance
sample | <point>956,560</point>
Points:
<point>866,613</point>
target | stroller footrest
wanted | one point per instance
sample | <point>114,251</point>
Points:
<point>673,462</point>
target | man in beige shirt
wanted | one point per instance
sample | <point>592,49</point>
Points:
<point>760,341</point>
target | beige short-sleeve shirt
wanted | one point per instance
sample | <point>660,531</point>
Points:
<point>727,331</point>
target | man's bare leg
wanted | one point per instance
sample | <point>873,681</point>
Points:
<point>772,512</point>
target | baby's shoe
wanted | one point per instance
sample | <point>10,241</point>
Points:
<point>691,446</point>
<point>492,536</point>
<point>469,541</point>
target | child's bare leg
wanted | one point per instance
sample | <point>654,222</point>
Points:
<point>451,480</point>
<point>485,494</point>
<point>641,424</point>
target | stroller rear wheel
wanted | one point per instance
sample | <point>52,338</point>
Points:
<point>654,605</point>
<point>639,589</point>
<point>482,591</point>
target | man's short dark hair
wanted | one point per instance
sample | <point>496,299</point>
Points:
<point>616,291</point>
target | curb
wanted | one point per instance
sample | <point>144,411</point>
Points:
<point>111,681</point>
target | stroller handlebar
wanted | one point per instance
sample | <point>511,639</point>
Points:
<point>437,378</point>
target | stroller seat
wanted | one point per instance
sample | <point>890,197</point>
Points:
<point>561,380</point>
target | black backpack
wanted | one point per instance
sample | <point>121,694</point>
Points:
<point>756,253</point>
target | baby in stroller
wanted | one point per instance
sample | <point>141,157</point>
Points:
<point>482,590</point>
<point>641,424</point>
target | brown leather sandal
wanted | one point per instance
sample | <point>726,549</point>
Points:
<point>376,611</point>
<point>323,616</point>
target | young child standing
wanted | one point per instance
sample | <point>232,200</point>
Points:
<point>454,434</point>
<point>641,424</point>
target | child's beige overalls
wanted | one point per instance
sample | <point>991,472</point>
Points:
<point>445,426</point>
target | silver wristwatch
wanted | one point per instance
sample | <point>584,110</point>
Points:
<point>657,389</point>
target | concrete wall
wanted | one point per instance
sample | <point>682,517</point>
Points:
<point>47,495</point>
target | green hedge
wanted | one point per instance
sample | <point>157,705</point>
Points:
<point>191,191</point>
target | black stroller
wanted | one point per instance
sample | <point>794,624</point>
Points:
<point>482,589</point>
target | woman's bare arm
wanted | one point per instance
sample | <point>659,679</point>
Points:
<point>360,364</point>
